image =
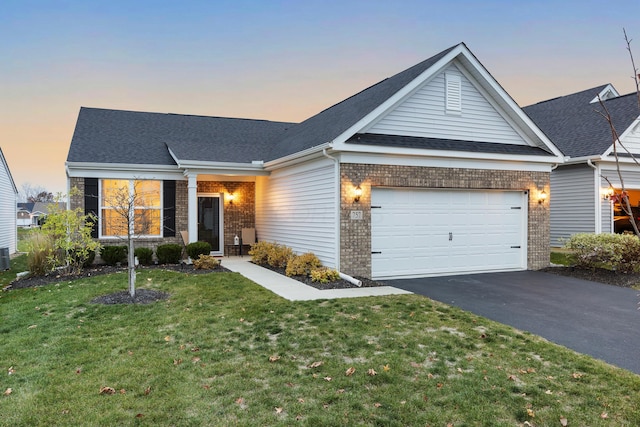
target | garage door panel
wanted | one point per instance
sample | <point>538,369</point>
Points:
<point>430,232</point>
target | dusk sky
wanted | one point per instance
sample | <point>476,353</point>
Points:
<point>278,60</point>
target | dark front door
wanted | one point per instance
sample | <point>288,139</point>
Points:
<point>209,221</point>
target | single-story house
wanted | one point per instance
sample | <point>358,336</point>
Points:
<point>23,216</point>
<point>8,207</point>
<point>435,170</point>
<point>582,185</point>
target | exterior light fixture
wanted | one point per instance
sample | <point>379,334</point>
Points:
<point>608,193</point>
<point>358,193</point>
<point>542,196</point>
<point>231,198</point>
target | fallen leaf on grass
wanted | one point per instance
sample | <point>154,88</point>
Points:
<point>139,415</point>
<point>123,391</point>
<point>386,368</point>
<point>377,405</point>
<point>167,338</point>
<point>564,422</point>
<point>8,391</point>
<point>195,359</point>
<point>316,364</point>
<point>416,365</point>
<point>240,401</point>
<point>32,326</point>
<point>147,391</point>
<point>177,361</point>
<point>604,415</point>
<point>328,378</point>
<point>576,375</point>
<point>11,371</point>
<point>274,358</point>
<point>107,390</point>
<point>300,400</point>
<point>279,410</point>
<point>350,371</point>
<point>340,391</point>
<point>371,372</point>
<point>548,392</point>
<point>531,413</point>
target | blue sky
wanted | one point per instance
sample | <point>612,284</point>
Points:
<point>279,60</point>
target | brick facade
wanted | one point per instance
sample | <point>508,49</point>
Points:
<point>355,236</point>
<point>237,215</point>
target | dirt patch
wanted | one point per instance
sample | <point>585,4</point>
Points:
<point>600,275</point>
<point>143,296</point>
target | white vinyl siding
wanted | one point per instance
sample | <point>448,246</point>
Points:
<point>8,208</point>
<point>296,206</point>
<point>572,202</point>
<point>424,114</point>
<point>631,140</point>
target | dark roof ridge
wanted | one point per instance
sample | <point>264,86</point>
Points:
<point>582,92</point>
<point>185,115</point>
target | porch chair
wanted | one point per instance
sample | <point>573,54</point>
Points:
<point>248,238</point>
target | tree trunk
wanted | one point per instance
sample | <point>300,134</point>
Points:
<point>132,268</point>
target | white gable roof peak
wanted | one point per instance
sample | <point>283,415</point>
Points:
<point>607,93</point>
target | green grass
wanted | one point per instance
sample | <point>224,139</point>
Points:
<point>23,236</point>
<point>562,258</point>
<point>17,265</point>
<point>203,358</point>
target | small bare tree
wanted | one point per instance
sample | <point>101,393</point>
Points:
<point>129,220</point>
<point>622,197</point>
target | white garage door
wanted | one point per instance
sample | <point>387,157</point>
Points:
<point>436,232</point>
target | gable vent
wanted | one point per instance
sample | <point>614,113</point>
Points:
<point>453,86</point>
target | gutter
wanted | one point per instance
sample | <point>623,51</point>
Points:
<point>336,168</point>
<point>296,157</point>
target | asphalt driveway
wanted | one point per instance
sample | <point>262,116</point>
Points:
<point>591,318</point>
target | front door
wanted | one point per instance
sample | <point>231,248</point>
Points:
<point>210,221</point>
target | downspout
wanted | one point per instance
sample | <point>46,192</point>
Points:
<point>598,205</point>
<point>336,172</point>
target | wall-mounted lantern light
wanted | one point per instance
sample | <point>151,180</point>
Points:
<point>357,193</point>
<point>606,194</point>
<point>231,197</point>
<point>542,196</point>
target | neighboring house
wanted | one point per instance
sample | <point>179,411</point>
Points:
<point>580,187</point>
<point>23,217</point>
<point>8,207</point>
<point>41,209</point>
<point>435,170</point>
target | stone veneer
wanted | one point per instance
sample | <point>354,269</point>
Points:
<point>355,236</point>
<point>240,214</point>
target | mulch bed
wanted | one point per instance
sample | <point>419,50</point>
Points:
<point>600,275</point>
<point>98,270</point>
<point>339,284</point>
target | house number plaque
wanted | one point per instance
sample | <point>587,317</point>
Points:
<point>356,215</point>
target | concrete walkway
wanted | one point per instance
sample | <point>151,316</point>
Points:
<point>298,291</point>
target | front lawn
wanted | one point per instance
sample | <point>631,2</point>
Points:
<point>224,351</point>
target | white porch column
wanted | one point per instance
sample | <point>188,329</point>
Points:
<point>193,207</point>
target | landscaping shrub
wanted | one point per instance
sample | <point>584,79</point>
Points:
<point>195,249</point>
<point>206,262</point>
<point>169,253</point>
<point>260,252</point>
<point>301,265</point>
<point>324,275</point>
<point>620,252</point>
<point>145,255</point>
<point>41,258</point>
<point>279,256</point>
<point>83,257</point>
<point>112,255</point>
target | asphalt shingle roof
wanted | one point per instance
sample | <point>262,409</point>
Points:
<point>575,126</point>
<point>114,136</point>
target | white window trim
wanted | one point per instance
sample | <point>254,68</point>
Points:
<point>131,186</point>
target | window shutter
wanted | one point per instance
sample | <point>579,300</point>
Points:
<point>169,208</point>
<point>91,202</point>
<point>453,92</point>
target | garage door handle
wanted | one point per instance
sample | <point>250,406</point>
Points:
<point>376,252</point>
<point>450,236</point>
<point>515,247</point>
